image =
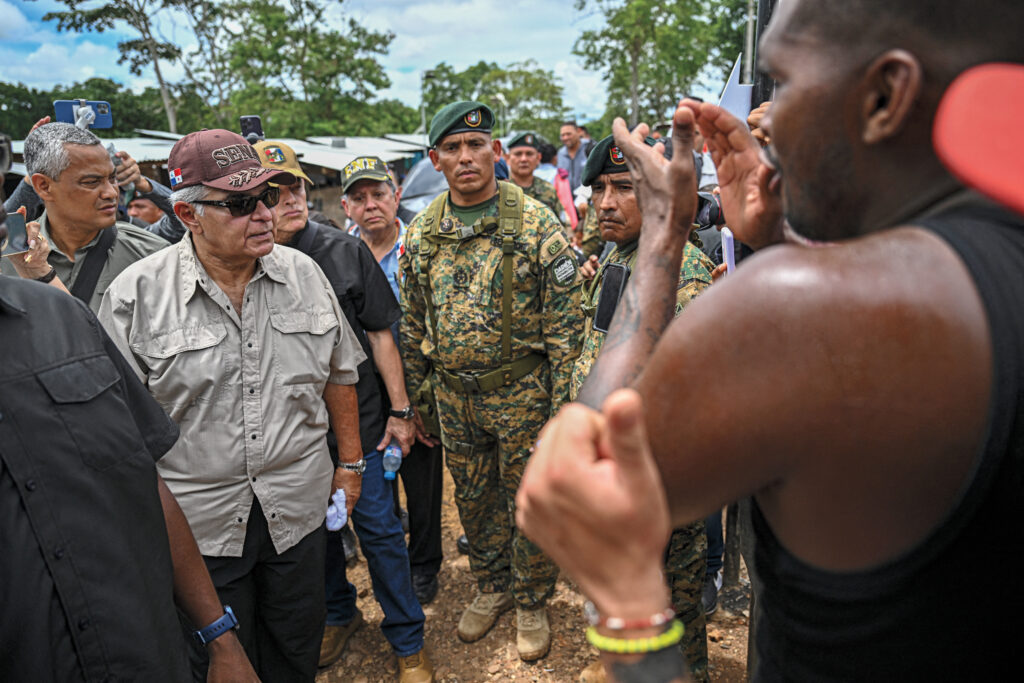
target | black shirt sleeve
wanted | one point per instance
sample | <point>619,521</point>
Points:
<point>379,309</point>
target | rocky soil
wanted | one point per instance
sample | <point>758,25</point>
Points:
<point>368,657</point>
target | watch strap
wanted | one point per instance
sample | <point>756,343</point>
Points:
<point>48,277</point>
<point>406,413</point>
<point>358,466</point>
<point>227,622</point>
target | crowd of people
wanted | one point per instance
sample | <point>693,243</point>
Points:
<point>192,373</point>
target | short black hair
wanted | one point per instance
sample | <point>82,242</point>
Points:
<point>570,122</point>
<point>547,153</point>
<point>948,36</point>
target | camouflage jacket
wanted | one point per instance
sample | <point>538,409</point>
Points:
<point>466,287</point>
<point>544,192</point>
<point>694,278</point>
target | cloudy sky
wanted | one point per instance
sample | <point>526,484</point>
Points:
<point>459,32</point>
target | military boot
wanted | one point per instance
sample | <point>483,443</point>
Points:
<point>481,614</point>
<point>533,633</point>
<point>335,639</point>
<point>415,668</point>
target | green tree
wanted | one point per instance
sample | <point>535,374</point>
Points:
<point>20,107</point>
<point>526,97</point>
<point>728,34</point>
<point>652,51</point>
<point>443,84</point>
<point>23,106</point>
<point>522,95</point>
<point>298,73</point>
<point>145,50</point>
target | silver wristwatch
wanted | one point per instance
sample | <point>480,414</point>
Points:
<point>358,466</point>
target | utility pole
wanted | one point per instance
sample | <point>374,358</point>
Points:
<point>764,87</point>
<point>748,67</point>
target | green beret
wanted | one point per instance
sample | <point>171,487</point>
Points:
<point>461,117</point>
<point>528,139</point>
<point>606,157</point>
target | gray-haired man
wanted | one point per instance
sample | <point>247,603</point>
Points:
<point>72,173</point>
<point>243,344</point>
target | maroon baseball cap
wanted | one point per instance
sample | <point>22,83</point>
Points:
<point>978,135</point>
<point>222,160</point>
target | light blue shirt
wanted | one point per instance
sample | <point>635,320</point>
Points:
<point>574,165</point>
<point>389,264</point>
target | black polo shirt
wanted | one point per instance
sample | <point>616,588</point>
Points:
<point>368,303</point>
<point>85,568</point>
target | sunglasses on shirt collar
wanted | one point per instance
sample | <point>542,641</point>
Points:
<point>244,206</point>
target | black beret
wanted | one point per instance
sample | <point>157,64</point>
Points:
<point>528,139</point>
<point>606,157</point>
<point>461,117</point>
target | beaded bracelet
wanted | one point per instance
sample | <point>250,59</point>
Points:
<point>594,618</point>
<point>632,646</point>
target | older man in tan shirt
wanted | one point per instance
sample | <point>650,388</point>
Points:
<point>246,348</point>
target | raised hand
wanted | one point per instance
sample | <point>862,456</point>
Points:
<point>750,188</point>
<point>592,498</point>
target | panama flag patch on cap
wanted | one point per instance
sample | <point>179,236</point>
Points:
<point>175,177</point>
<point>274,155</point>
<point>616,154</point>
<point>473,118</point>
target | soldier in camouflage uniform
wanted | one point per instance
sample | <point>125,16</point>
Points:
<point>491,301</point>
<point>616,211</point>
<point>523,159</point>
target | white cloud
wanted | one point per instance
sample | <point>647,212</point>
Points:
<point>13,23</point>
<point>459,32</point>
<point>463,32</point>
<point>62,62</point>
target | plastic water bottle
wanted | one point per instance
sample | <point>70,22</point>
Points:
<point>392,460</point>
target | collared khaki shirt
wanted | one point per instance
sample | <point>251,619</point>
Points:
<point>246,390</point>
<point>132,244</point>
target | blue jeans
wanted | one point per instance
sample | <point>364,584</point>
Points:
<point>716,542</point>
<point>383,544</point>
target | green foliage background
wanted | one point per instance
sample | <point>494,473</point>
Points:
<point>286,61</point>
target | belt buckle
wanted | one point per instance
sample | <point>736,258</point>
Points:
<point>464,231</point>
<point>469,382</point>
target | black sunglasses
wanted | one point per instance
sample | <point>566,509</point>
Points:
<point>244,206</point>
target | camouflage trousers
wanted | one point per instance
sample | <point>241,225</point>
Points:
<point>487,439</point>
<point>685,565</point>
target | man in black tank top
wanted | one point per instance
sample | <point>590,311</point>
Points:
<point>870,368</point>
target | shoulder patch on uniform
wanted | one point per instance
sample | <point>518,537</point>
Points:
<point>563,270</point>
<point>551,247</point>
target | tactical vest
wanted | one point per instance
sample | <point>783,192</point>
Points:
<point>510,222</point>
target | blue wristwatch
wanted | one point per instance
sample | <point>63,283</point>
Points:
<point>218,628</point>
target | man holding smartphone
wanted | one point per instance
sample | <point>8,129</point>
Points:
<point>620,220</point>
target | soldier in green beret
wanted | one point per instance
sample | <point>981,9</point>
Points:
<point>523,159</point>
<point>491,301</point>
<point>619,217</point>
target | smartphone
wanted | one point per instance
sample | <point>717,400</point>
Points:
<point>17,238</point>
<point>613,283</point>
<point>66,110</point>
<point>252,128</point>
<point>728,250</point>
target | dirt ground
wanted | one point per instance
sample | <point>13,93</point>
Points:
<point>368,657</point>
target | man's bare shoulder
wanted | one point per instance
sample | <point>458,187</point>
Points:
<point>905,270</point>
<point>842,373</point>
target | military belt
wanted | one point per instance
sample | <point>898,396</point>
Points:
<point>483,382</point>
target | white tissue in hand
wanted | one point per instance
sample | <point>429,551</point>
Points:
<point>337,512</point>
